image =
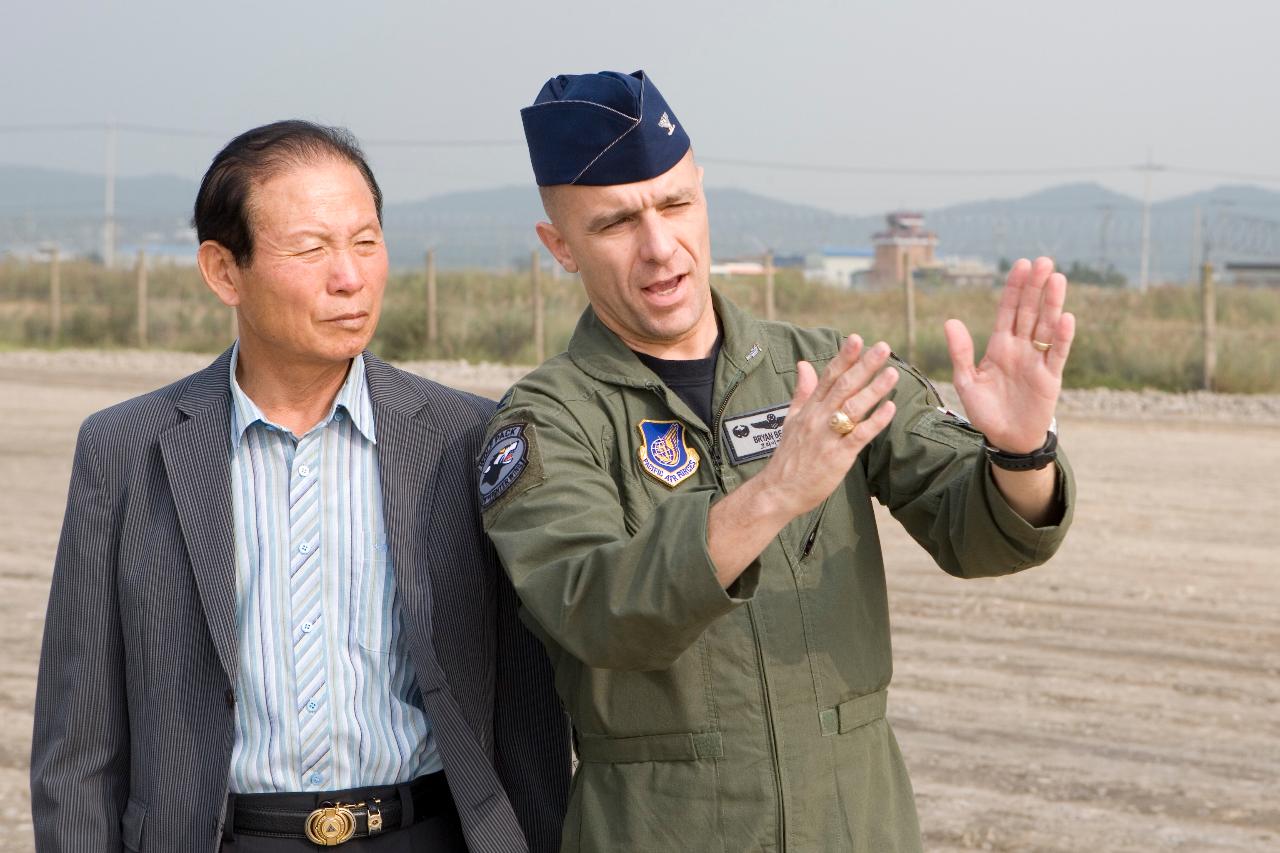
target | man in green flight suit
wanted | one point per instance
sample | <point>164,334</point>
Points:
<point>708,581</point>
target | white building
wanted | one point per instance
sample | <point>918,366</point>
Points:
<point>839,267</point>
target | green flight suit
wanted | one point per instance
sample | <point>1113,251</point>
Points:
<point>713,720</point>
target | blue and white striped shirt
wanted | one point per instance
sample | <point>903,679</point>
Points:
<point>326,694</point>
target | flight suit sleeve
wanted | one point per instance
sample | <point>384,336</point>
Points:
<point>614,599</point>
<point>929,469</point>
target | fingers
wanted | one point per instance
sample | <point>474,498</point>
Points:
<point>852,380</point>
<point>874,424</point>
<point>1029,299</point>
<point>960,348</point>
<point>1055,296</point>
<point>845,358</point>
<point>806,382</point>
<point>1062,337</point>
<point>1007,311</point>
<point>859,405</point>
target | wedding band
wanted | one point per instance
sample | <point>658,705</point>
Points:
<point>1041,345</point>
<point>841,423</point>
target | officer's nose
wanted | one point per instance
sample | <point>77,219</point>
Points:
<point>657,240</point>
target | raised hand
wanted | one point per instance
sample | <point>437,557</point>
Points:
<point>1011,394</point>
<point>815,454</point>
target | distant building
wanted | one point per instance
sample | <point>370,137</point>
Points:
<point>1255,274</point>
<point>839,267</point>
<point>904,242</point>
<point>966,272</point>
<point>737,268</point>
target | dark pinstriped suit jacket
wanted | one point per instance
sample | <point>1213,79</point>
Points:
<point>134,717</point>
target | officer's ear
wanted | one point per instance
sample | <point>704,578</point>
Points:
<point>559,249</point>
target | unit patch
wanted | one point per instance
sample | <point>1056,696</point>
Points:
<point>754,434</point>
<point>505,458</point>
<point>664,454</point>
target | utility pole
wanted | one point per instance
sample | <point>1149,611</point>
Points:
<point>1144,266</point>
<point>433,325</point>
<point>1209,309</point>
<point>910,286</point>
<point>55,296</point>
<point>109,200</point>
<point>1197,228</point>
<point>142,298</point>
<point>1102,239</point>
<point>539,336</point>
<point>769,313</point>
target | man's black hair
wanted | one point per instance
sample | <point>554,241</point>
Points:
<point>222,205</point>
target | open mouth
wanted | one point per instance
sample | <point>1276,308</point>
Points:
<point>665,287</point>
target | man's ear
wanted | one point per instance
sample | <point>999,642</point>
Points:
<point>559,249</point>
<point>218,266</point>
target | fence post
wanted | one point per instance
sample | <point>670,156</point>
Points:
<point>539,341</point>
<point>1210,313</point>
<point>433,327</point>
<point>142,298</point>
<point>55,295</point>
<point>769,312</point>
<point>910,288</point>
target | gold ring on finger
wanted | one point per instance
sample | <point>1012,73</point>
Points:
<point>841,423</point>
<point>1041,345</point>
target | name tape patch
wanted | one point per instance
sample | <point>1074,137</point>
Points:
<point>755,434</point>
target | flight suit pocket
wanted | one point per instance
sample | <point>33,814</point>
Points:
<point>647,794</point>
<point>131,824</point>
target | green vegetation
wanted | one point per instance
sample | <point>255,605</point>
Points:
<point>1124,339</point>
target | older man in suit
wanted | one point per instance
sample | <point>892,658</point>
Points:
<point>274,621</point>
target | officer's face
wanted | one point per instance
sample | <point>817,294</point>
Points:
<point>312,291</point>
<point>644,253</point>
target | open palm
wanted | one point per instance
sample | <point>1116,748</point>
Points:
<point>1010,396</point>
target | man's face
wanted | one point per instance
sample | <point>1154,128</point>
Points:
<point>644,253</point>
<point>312,291</point>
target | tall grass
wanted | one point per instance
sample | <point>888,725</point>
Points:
<point>1124,339</point>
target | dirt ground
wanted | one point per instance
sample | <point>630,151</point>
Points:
<point>1126,697</point>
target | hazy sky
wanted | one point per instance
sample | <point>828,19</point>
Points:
<point>932,84</point>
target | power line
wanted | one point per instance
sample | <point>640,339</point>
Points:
<point>912,171</point>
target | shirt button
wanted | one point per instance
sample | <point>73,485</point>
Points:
<point>306,627</point>
<point>312,706</point>
<point>304,470</point>
<point>305,548</point>
<point>316,778</point>
<point>337,416</point>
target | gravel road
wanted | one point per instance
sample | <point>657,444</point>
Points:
<point>1126,697</point>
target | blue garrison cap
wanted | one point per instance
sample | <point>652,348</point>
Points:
<point>600,129</point>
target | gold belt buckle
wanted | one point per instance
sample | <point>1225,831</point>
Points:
<point>330,826</point>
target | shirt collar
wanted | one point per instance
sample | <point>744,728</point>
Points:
<point>353,398</point>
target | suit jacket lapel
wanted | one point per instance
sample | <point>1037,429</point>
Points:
<point>409,450</point>
<point>197,458</point>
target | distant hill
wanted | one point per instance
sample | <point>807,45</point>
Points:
<point>494,227</point>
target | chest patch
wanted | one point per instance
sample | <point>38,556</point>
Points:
<point>664,454</point>
<point>503,461</point>
<point>755,434</point>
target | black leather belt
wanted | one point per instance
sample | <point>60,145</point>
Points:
<point>333,818</point>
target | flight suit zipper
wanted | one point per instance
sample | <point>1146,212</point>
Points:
<point>716,455</point>
<point>811,538</point>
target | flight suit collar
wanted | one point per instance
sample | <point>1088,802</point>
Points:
<point>601,354</point>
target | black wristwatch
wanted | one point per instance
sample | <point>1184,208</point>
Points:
<point>1033,461</point>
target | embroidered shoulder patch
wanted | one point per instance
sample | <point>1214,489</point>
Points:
<point>664,454</point>
<point>511,452</point>
<point>754,434</point>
